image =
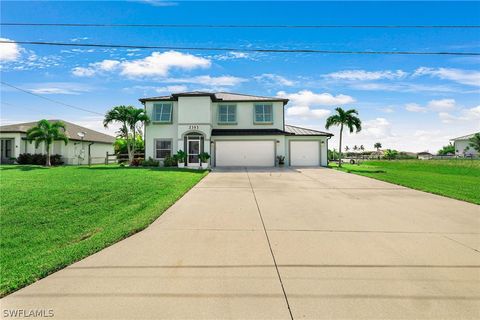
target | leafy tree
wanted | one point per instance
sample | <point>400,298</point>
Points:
<point>361,148</point>
<point>474,142</point>
<point>332,154</point>
<point>390,154</point>
<point>120,145</point>
<point>447,149</point>
<point>344,118</point>
<point>377,146</point>
<point>47,132</point>
<point>130,120</point>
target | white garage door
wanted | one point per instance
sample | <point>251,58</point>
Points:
<point>245,153</point>
<point>304,153</point>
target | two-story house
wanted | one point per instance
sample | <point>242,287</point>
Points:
<point>235,129</point>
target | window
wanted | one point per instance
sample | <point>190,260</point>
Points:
<point>227,113</point>
<point>163,148</point>
<point>162,112</point>
<point>263,113</point>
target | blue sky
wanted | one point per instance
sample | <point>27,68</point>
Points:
<point>412,103</point>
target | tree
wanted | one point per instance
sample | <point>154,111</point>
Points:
<point>344,118</point>
<point>130,120</point>
<point>390,154</point>
<point>447,149</point>
<point>474,142</point>
<point>377,146</point>
<point>47,132</point>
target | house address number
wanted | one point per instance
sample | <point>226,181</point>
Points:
<point>193,127</point>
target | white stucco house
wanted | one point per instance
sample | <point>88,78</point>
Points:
<point>84,144</point>
<point>235,129</point>
<point>461,143</point>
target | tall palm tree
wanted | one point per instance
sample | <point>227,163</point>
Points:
<point>137,118</point>
<point>474,142</point>
<point>120,115</point>
<point>344,118</point>
<point>377,146</point>
<point>47,132</point>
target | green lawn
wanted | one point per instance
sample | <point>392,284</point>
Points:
<point>459,179</point>
<point>52,217</point>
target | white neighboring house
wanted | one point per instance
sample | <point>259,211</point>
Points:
<point>461,143</point>
<point>235,129</point>
<point>93,144</point>
<point>424,155</point>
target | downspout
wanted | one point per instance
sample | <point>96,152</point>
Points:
<point>89,157</point>
<point>145,133</point>
<point>327,147</point>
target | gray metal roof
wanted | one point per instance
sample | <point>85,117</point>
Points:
<point>216,97</point>
<point>468,136</point>
<point>71,131</point>
<point>299,131</point>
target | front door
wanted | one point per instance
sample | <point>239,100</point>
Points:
<point>6,150</point>
<point>193,151</point>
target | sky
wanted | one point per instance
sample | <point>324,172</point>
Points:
<point>406,102</point>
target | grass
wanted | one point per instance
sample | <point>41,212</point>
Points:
<point>458,179</point>
<point>52,217</point>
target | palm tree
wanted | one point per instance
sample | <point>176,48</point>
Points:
<point>47,132</point>
<point>377,146</point>
<point>475,142</point>
<point>344,118</point>
<point>121,115</point>
<point>137,118</point>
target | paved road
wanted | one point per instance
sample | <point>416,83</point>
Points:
<point>310,243</point>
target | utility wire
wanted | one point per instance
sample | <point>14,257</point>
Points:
<point>98,45</point>
<point>51,100</point>
<point>122,25</point>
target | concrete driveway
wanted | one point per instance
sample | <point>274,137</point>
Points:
<point>281,244</point>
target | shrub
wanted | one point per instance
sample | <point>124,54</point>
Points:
<point>39,159</point>
<point>150,163</point>
<point>170,161</point>
<point>204,156</point>
<point>136,162</point>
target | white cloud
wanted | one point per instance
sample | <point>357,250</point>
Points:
<point>473,113</point>
<point>233,55</point>
<point>9,51</point>
<point>274,79</point>
<point>468,77</point>
<point>156,65</point>
<point>309,98</point>
<point>414,107</point>
<point>79,39</point>
<point>305,112</point>
<point>376,128</point>
<point>363,75</point>
<point>402,87</point>
<point>441,105</point>
<point>387,110</point>
<point>58,88</point>
<point>171,89</point>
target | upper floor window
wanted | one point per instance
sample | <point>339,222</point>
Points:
<point>227,113</point>
<point>162,112</point>
<point>263,113</point>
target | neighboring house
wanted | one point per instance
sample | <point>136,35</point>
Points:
<point>424,155</point>
<point>461,143</point>
<point>235,129</point>
<point>93,144</point>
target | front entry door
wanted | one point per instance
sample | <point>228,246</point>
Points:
<point>193,151</point>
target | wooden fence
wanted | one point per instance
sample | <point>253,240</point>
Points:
<point>121,157</point>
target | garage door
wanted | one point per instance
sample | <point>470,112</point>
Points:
<point>245,153</point>
<point>304,153</point>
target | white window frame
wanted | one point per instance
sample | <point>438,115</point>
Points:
<point>155,149</point>
<point>263,105</point>
<point>228,106</point>
<point>161,113</point>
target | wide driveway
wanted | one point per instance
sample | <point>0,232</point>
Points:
<point>281,244</point>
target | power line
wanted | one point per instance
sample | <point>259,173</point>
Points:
<point>225,26</point>
<point>51,100</point>
<point>98,45</point>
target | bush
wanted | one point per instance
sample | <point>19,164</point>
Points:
<point>39,159</point>
<point>170,161</point>
<point>136,162</point>
<point>150,163</point>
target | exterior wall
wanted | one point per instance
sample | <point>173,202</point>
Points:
<point>76,152</point>
<point>279,145</point>
<point>194,110</point>
<point>323,147</point>
<point>245,116</point>
<point>156,130</point>
<point>460,146</point>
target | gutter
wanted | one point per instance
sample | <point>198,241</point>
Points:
<point>89,157</point>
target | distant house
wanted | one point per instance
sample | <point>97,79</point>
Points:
<point>461,144</point>
<point>424,155</point>
<point>84,144</point>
